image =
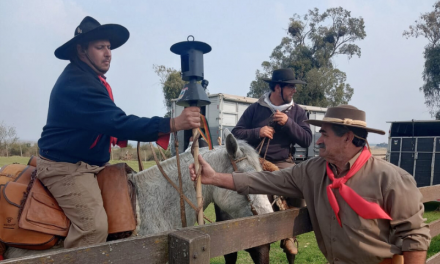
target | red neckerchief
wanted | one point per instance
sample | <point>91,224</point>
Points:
<point>113,140</point>
<point>365,209</point>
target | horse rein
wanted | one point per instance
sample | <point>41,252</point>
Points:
<point>234,166</point>
<point>182,195</point>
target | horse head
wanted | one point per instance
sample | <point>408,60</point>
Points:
<point>239,156</point>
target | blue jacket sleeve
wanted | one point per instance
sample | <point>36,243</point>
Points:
<point>90,108</point>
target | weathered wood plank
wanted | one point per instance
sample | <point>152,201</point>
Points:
<point>434,227</point>
<point>430,193</point>
<point>234,235</point>
<point>434,259</point>
<point>188,246</point>
<point>147,249</point>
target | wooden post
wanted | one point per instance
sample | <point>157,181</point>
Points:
<point>199,180</point>
<point>189,247</point>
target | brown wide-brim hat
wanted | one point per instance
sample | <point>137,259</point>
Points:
<point>345,115</point>
<point>283,76</point>
<point>89,30</point>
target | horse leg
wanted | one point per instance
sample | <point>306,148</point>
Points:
<point>260,254</point>
<point>222,216</point>
<point>231,258</point>
<point>290,258</point>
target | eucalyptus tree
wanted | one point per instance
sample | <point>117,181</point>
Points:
<point>312,41</point>
<point>172,84</point>
<point>428,26</point>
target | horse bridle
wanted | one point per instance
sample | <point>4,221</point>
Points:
<point>234,166</point>
<point>235,161</point>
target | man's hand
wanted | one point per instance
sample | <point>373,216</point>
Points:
<point>280,118</point>
<point>188,119</point>
<point>209,176</point>
<point>267,131</point>
<point>208,173</point>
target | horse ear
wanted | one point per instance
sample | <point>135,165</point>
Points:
<point>232,146</point>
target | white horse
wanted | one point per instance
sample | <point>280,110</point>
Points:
<point>159,203</point>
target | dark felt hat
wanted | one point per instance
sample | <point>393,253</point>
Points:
<point>88,30</point>
<point>345,115</point>
<point>283,76</point>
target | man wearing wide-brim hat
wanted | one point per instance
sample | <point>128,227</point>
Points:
<point>281,123</point>
<point>276,117</point>
<point>83,122</point>
<point>363,209</point>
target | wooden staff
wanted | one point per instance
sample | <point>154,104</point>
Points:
<point>199,178</point>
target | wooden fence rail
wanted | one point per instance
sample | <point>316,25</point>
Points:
<point>196,245</point>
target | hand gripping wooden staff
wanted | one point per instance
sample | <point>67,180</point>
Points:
<point>193,94</point>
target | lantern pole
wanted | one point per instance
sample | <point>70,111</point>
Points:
<point>193,94</point>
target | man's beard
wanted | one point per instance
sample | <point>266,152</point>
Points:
<point>287,101</point>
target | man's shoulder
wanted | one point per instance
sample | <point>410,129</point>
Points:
<point>383,165</point>
<point>74,76</point>
<point>253,107</point>
<point>389,172</point>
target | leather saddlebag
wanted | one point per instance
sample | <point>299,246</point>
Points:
<point>118,195</point>
<point>42,213</point>
<point>11,195</point>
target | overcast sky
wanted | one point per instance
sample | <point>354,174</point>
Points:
<point>386,78</point>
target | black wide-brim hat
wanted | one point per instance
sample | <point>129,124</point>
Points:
<point>284,76</point>
<point>89,30</point>
<point>345,115</point>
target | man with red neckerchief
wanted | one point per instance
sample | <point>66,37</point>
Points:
<point>363,209</point>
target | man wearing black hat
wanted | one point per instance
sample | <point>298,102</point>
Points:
<point>83,122</point>
<point>275,116</point>
<point>363,209</point>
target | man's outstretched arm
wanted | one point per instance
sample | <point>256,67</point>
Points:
<point>263,182</point>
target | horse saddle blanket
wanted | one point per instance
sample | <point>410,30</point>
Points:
<point>31,218</point>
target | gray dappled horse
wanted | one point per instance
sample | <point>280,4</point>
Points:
<point>158,202</point>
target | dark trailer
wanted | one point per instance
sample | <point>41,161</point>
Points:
<point>415,147</point>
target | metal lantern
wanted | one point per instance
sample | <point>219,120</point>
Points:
<point>191,58</point>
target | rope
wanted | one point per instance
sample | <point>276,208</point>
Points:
<point>179,173</point>
<point>174,185</point>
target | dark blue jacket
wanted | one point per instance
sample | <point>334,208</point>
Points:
<point>80,109</point>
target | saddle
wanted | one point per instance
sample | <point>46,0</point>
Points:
<point>14,182</point>
<point>31,218</point>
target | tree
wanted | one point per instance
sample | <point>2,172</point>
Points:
<point>311,43</point>
<point>171,83</point>
<point>325,87</point>
<point>429,27</point>
<point>8,137</point>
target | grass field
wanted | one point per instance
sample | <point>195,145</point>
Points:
<point>308,247</point>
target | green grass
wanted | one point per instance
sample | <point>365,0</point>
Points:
<point>308,247</point>
<point>13,159</point>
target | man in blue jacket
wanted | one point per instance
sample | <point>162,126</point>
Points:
<point>83,122</point>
